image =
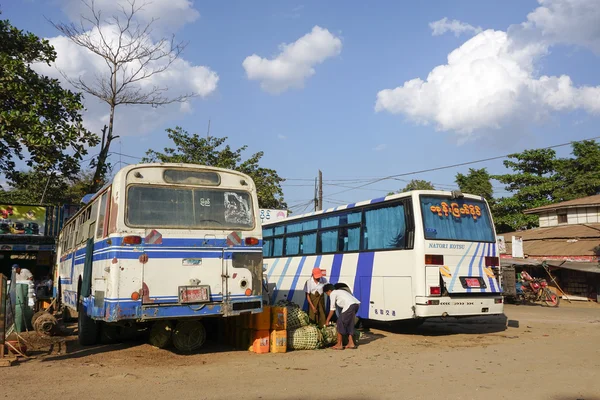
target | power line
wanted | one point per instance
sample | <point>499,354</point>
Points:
<point>454,166</point>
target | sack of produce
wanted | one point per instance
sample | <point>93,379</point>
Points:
<point>329,334</point>
<point>304,338</point>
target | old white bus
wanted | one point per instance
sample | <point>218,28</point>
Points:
<point>162,242</point>
<point>407,256</point>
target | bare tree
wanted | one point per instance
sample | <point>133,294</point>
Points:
<point>131,56</point>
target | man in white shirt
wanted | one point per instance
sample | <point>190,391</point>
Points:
<point>349,307</point>
<point>315,297</point>
<point>23,275</point>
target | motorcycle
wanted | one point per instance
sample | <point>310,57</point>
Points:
<point>536,289</point>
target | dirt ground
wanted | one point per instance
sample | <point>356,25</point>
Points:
<point>531,353</point>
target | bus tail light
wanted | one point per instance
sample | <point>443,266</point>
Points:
<point>492,261</point>
<point>251,241</point>
<point>435,291</point>
<point>132,240</point>
<point>433,302</point>
<point>498,301</point>
<point>434,259</point>
<point>248,292</point>
<point>135,296</point>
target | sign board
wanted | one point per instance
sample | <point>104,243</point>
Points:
<point>517,247</point>
<point>22,220</point>
<point>501,245</point>
<point>272,215</point>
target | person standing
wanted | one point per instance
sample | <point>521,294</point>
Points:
<point>348,304</point>
<point>315,297</point>
<point>23,275</point>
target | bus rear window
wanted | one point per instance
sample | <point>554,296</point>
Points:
<point>459,219</point>
<point>158,207</point>
<point>187,177</point>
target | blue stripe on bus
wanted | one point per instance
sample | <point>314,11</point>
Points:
<point>336,268</point>
<point>364,276</point>
<point>292,291</point>
<point>456,271</point>
<point>281,278</point>
<point>378,200</point>
<point>481,273</point>
<point>273,267</point>
<point>471,264</point>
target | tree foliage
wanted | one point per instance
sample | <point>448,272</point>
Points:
<point>35,186</point>
<point>418,184</point>
<point>40,122</point>
<point>579,176</point>
<point>213,151</point>
<point>478,182</point>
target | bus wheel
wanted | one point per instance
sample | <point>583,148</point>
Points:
<point>87,328</point>
<point>109,333</point>
<point>161,334</point>
<point>189,336</point>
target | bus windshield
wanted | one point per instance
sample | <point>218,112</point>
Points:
<point>191,208</point>
<point>456,219</point>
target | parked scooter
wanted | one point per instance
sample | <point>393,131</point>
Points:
<point>536,289</point>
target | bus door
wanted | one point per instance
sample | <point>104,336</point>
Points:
<point>179,271</point>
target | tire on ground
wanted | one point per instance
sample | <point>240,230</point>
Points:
<point>189,336</point>
<point>88,331</point>
<point>161,334</point>
<point>109,333</point>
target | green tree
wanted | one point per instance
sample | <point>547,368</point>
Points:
<point>213,151</point>
<point>35,186</point>
<point>534,183</point>
<point>40,122</point>
<point>580,175</point>
<point>478,182</point>
<point>418,184</point>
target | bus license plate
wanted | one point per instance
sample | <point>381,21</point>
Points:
<point>472,282</point>
<point>194,294</point>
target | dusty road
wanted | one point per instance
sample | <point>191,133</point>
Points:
<point>543,354</point>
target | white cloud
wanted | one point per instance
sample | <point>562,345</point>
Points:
<point>295,63</point>
<point>490,82</point>
<point>181,78</point>
<point>444,25</point>
<point>168,14</point>
<point>575,22</point>
<point>282,137</point>
<point>380,147</point>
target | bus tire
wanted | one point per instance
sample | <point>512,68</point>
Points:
<point>161,334</point>
<point>87,328</point>
<point>109,333</point>
<point>189,336</point>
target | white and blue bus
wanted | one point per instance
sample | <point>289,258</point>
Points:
<point>162,242</point>
<point>407,256</point>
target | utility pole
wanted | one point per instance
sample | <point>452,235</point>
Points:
<point>315,198</point>
<point>320,191</point>
<point>208,130</point>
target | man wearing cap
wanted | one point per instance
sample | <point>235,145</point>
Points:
<point>315,297</point>
<point>23,275</point>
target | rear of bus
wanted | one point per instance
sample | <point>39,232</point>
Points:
<point>459,256</point>
<point>190,242</point>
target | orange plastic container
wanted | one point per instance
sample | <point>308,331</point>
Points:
<point>278,341</point>
<point>262,321</point>
<point>260,343</point>
<point>279,318</point>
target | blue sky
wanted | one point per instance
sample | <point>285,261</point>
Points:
<point>329,120</point>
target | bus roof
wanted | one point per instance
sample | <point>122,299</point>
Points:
<point>375,201</point>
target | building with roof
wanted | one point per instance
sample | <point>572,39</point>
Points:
<point>567,241</point>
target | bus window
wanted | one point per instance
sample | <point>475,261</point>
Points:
<point>309,243</point>
<point>350,239</point>
<point>385,228</point>
<point>329,241</point>
<point>458,219</point>
<point>292,245</point>
<point>267,247</point>
<point>101,215</point>
<point>277,247</point>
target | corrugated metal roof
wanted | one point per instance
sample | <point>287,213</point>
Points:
<point>584,201</point>
<point>573,231</point>
<point>557,247</point>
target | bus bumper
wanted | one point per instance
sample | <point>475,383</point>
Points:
<point>135,310</point>
<point>456,307</point>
